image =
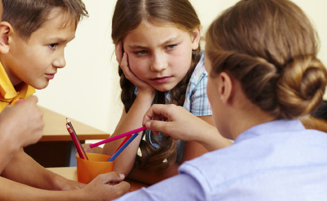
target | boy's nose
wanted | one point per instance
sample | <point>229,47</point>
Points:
<point>60,62</point>
<point>159,63</point>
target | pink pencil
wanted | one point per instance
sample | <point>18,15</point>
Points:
<point>117,137</point>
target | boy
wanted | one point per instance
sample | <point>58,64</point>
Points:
<point>33,35</point>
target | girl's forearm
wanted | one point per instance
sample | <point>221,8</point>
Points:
<point>129,121</point>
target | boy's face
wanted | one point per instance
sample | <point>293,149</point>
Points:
<point>35,61</point>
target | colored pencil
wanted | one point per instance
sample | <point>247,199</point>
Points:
<point>76,142</point>
<point>117,137</point>
<point>113,157</point>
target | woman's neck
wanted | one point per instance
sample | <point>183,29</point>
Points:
<point>244,115</point>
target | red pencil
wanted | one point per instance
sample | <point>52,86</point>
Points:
<point>76,142</point>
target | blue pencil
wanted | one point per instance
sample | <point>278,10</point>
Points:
<point>123,147</point>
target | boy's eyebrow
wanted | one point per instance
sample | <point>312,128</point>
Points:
<point>59,40</point>
<point>169,40</point>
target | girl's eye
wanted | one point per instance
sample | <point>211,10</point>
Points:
<point>53,46</point>
<point>169,47</point>
<point>140,52</point>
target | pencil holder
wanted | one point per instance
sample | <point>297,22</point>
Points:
<point>97,164</point>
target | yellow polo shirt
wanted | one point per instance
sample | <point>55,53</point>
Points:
<point>8,94</point>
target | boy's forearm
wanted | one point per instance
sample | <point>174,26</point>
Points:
<point>6,154</point>
<point>23,169</point>
<point>11,190</point>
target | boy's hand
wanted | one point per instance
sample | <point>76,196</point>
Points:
<point>22,123</point>
<point>99,189</point>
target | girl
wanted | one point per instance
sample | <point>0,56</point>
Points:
<point>261,57</point>
<point>157,47</point>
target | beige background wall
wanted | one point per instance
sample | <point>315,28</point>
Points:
<point>87,89</point>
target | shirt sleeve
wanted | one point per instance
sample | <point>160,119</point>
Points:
<point>180,187</point>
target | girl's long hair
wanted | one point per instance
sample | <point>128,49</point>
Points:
<point>128,15</point>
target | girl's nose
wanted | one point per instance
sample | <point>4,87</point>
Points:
<point>159,63</point>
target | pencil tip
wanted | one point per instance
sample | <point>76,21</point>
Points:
<point>67,120</point>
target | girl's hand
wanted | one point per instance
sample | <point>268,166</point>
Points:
<point>99,189</point>
<point>122,59</point>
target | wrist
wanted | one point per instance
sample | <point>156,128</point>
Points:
<point>56,182</point>
<point>210,139</point>
<point>146,96</point>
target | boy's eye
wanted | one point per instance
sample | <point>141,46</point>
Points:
<point>53,46</point>
<point>169,47</point>
<point>140,52</point>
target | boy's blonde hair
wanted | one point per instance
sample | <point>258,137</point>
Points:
<point>271,47</point>
<point>27,16</point>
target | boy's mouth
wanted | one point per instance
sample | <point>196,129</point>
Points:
<point>50,76</point>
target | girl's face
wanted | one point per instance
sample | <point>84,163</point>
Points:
<point>160,55</point>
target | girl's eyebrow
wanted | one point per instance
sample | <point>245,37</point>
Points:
<point>169,40</point>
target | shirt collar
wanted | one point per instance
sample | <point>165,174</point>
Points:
<point>7,90</point>
<point>282,125</point>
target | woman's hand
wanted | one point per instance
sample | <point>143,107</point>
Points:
<point>178,122</point>
<point>122,59</point>
<point>181,124</point>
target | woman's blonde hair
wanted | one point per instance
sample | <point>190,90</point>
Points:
<point>271,47</point>
<point>128,15</point>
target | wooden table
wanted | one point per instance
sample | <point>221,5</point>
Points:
<point>71,173</point>
<point>55,128</point>
<point>55,148</point>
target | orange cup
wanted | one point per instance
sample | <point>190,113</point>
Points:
<point>97,164</point>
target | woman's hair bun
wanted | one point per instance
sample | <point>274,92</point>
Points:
<point>301,86</point>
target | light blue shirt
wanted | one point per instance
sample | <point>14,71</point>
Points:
<point>275,161</point>
<point>196,99</point>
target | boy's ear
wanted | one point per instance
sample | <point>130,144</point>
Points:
<point>196,35</point>
<point>5,29</point>
<point>225,88</point>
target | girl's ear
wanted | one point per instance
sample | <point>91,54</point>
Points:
<point>196,35</point>
<point>5,29</point>
<point>225,87</point>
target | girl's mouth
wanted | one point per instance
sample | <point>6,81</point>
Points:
<point>161,80</point>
